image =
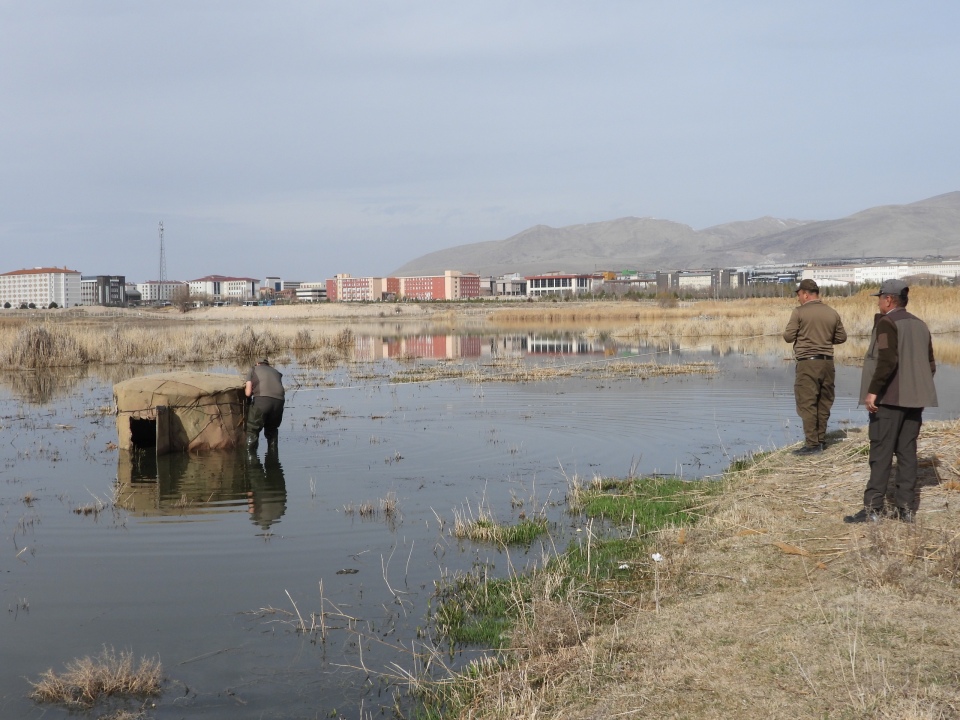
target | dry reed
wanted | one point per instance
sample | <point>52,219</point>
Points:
<point>88,680</point>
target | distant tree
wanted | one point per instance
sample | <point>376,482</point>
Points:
<point>32,306</point>
<point>53,306</point>
<point>6,305</point>
<point>180,299</point>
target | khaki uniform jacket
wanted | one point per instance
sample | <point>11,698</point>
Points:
<point>814,328</point>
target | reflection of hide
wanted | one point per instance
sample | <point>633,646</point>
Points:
<point>180,483</point>
<point>180,411</point>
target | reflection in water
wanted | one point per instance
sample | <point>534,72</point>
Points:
<point>183,484</point>
<point>39,387</point>
<point>267,496</point>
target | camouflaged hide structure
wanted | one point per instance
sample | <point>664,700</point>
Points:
<point>180,411</point>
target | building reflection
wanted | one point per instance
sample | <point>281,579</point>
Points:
<point>452,347</point>
<point>187,485</point>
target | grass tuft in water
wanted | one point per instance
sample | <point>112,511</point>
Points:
<point>87,680</point>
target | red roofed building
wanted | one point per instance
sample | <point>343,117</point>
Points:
<point>40,286</point>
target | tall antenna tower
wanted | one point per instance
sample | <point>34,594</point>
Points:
<point>163,257</point>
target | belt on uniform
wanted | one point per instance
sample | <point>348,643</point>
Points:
<point>816,357</point>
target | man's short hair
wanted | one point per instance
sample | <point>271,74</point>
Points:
<point>808,285</point>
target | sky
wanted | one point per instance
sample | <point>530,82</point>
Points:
<point>305,139</point>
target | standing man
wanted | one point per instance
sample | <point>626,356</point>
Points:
<point>265,390</point>
<point>896,385</point>
<point>814,328</point>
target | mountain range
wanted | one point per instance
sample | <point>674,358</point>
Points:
<point>924,228</point>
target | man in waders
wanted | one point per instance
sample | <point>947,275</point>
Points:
<point>265,390</point>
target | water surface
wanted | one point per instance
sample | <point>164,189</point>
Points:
<point>210,562</point>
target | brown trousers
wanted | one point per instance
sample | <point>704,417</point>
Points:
<point>814,392</point>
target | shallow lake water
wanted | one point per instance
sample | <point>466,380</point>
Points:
<point>210,563</point>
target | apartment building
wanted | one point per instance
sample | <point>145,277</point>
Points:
<point>39,287</point>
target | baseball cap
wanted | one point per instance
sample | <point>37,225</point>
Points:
<point>890,287</point>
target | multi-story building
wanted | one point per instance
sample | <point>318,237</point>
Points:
<point>452,285</point>
<point>219,288</point>
<point>562,284</point>
<point>110,290</point>
<point>858,274</point>
<point>311,291</point>
<point>713,280</point>
<point>346,288</point>
<point>154,291</point>
<point>40,286</point>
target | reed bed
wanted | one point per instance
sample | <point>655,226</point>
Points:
<point>49,345</point>
<point>743,318</point>
<point>88,680</point>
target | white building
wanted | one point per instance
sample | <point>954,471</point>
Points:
<point>40,287</point>
<point>155,291</point>
<point>562,284</point>
<point>220,288</point>
<point>876,273</point>
<point>311,291</point>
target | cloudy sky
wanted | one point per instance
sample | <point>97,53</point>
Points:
<point>304,139</point>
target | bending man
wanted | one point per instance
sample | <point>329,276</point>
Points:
<point>265,390</point>
<point>814,329</point>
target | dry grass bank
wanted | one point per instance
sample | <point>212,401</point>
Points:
<point>769,607</point>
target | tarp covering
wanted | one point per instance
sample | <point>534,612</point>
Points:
<point>191,411</point>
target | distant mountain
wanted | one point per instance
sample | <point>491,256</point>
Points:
<point>928,227</point>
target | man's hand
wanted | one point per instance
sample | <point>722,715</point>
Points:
<point>871,402</point>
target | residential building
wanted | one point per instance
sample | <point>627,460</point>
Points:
<point>40,286</point>
<point>110,290</point>
<point>221,288</point>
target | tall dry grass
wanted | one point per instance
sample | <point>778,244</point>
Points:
<point>48,345</point>
<point>744,318</point>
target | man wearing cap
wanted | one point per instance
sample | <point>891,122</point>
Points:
<point>897,383</point>
<point>814,328</point>
<point>265,390</point>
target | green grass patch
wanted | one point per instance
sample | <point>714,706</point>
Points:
<point>474,609</point>
<point>645,503</point>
